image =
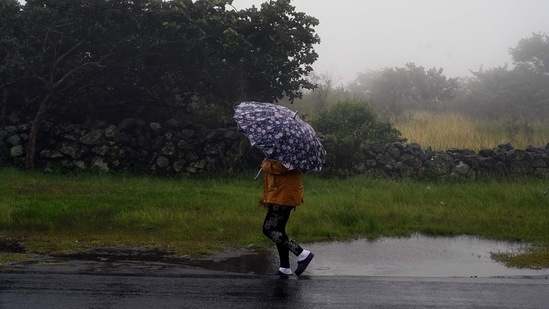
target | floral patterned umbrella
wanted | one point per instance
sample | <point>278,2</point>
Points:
<point>281,134</point>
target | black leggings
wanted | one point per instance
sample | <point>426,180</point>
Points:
<point>274,227</point>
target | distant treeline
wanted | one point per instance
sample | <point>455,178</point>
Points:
<point>493,93</point>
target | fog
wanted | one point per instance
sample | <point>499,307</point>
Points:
<point>458,36</point>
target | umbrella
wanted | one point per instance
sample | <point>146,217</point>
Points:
<point>281,134</point>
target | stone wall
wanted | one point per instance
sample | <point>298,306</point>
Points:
<point>398,160</point>
<point>169,148</point>
<point>175,148</point>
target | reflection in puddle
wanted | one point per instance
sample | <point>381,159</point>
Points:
<point>417,256</point>
<point>255,263</point>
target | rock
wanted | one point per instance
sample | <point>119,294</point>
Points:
<point>505,146</point>
<point>101,150</point>
<point>486,152</point>
<point>17,151</point>
<point>178,165</point>
<point>411,161</point>
<point>69,149</point>
<point>200,164</point>
<point>14,140</point>
<point>127,125</point>
<point>51,154</point>
<point>11,129</point>
<point>172,124</point>
<point>155,126</point>
<point>111,132</point>
<point>394,152</point>
<point>168,149</point>
<point>192,170</point>
<point>3,134</point>
<point>462,168</point>
<point>93,137</point>
<point>99,165</point>
<point>162,162</point>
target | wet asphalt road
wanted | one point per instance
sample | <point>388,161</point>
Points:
<point>88,285</point>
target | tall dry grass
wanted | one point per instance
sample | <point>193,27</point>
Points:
<point>453,130</point>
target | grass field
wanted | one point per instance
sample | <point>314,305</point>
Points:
<point>56,213</point>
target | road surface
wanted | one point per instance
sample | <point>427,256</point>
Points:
<point>130,285</point>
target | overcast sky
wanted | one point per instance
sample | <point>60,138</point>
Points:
<point>456,35</point>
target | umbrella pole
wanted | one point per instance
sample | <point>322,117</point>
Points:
<point>258,173</point>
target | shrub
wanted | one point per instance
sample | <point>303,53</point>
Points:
<point>349,127</point>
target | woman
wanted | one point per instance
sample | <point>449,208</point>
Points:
<point>282,192</point>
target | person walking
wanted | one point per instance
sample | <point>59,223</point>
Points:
<point>282,193</point>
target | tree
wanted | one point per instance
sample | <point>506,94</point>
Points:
<point>261,54</point>
<point>61,42</point>
<point>10,51</point>
<point>532,54</point>
<point>500,93</point>
<point>175,54</point>
<point>325,86</point>
<point>520,93</point>
<point>72,60</point>
<point>411,87</point>
<point>53,53</point>
<point>280,46</point>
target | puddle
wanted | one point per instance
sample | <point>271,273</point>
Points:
<point>418,256</point>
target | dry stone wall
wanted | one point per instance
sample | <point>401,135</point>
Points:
<point>176,148</point>
<point>168,148</point>
<point>398,160</point>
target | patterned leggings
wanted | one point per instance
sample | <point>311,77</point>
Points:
<point>274,228</point>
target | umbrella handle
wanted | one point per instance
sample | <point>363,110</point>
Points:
<point>258,173</point>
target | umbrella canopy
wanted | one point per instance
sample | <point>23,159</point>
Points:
<point>281,134</point>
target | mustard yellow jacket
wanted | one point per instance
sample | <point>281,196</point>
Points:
<point>281,186</point>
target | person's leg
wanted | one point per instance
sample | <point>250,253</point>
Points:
<point>284,255</point>
<point>274,227</point>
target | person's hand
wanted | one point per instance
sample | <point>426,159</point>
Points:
<point>262,204</point>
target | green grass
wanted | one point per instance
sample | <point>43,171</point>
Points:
<point>56,213</point>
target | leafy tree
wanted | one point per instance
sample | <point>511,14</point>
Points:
<point>411,87</point>
<point>532,53</point>
<point>348,128</point>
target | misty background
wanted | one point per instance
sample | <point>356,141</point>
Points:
<point>458,36</point>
